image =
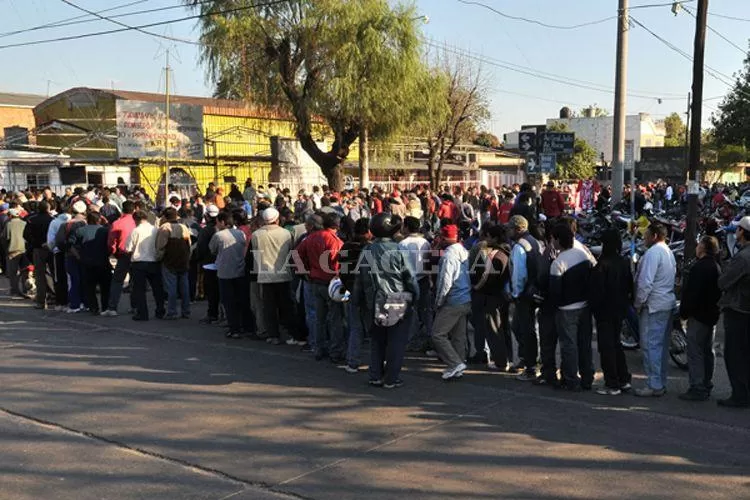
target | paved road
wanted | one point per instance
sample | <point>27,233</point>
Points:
<point>108,408</point>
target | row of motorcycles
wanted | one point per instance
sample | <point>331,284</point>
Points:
<point>720,222</point>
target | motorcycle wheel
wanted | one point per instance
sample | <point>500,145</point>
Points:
<point>628,338</point>
<point>678,349</point>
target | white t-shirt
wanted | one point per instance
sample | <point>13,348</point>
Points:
<point>418,251</point>
<point>142,243</point>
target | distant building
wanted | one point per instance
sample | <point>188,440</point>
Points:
<point>17,116</point>
<point>597,131</point>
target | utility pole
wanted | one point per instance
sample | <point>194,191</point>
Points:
<point>166,133</point>
<point>364,159</point>
<point>695,130</point>
<point>687,135</point>
<point>621,85</point>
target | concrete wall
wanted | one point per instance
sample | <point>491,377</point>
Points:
<point>598,132</point>
<point>12,116</point>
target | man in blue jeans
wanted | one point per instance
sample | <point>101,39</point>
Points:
<point>173,250</point>
<point>655,301</point>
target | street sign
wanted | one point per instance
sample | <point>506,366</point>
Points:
<point>548,163</point>
<point>527,142</point>
<point>532,165</point>
<point>557,142</point>
<point>629,155</point>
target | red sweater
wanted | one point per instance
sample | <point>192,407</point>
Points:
<point>553,203</point>
<point>319,253</point>
<point>119,233</point>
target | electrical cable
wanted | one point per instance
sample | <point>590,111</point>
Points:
<point>720,35</point>
<point>149,25</point>
<point>118,23</point>
<point>534,21</point>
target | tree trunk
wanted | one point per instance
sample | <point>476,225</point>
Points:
<point>364,159</point>
<point>335,176</point>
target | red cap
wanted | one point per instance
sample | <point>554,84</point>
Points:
<point>449,232</point>
<point>334,197</point>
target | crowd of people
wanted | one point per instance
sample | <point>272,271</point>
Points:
<point>410,270</point>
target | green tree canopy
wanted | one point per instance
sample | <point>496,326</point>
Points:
<point>675,136</point>
<point>487,139</point>
<point>351,64</point>
<point>579,165</point>
<point>732,121</point>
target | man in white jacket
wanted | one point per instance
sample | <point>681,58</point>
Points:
<point>655,301</point>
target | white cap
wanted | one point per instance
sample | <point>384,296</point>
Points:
<point>270,215</point>
<point>212,210</point>
<point>79,207</point>
<point>745,223</point>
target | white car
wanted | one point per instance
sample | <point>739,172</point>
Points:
<point>745,199</point>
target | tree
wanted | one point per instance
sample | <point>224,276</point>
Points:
<point>487,139</point>
<point>347,63</point>
<point>453,104</point>
<point>579,165</point>
<point>675,136</point>
<point>732,121</point>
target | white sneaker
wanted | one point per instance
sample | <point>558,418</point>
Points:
<point>60,309</point>
<point>291,342</point>
<point>108,313</point>
<point>70,310</point>
<point>455,372</point>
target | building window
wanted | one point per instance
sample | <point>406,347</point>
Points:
<point>37,181</point>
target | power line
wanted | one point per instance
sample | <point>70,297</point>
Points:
<point>118,23</point>
<point>538,74</point>
<point>720,35</point>
<point>723,16</point>
<point>534,21</point>
<point>142,26</point>
<point>69,21</point>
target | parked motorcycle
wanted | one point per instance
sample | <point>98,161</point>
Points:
<point>630,336</point>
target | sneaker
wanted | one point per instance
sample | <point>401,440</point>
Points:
<point>233,335</point>
<point>526,376</point>
<point>60,308</point>
<point>395,385</point>
<point>517,367</point>
<point>626,387</point>
<point>308,349</point>
<point>542,380</point>
<point>608,391</point>
<point>492,366</point>
<point>692,395</point>
<point>291,342</point>
<point>454,372</point>
<point>375,383</point>
<point>431,353</point>
<point>41,307</point>
<point>169,317</point>
<point>71,310</point>
<point>351,369</point>
<point>273,341</point>
<point>647,392</point>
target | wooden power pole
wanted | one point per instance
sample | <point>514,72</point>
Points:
<point>695,129</point>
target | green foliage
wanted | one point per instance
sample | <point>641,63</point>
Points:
<point>596,112</point>
<point>579,165</point>
<point>487,139</point>
<point>676,130</point>
<point>732,121</point>
<point>353,64</point>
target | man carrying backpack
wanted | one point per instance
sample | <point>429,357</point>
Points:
<point>526,281</point>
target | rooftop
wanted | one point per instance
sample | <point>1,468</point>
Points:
<point>11,99</point>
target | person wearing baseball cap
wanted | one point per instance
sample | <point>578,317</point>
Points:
<point>271,245</point>
<point>206,261</point>
<point>452,304</point>
<point>16,248</point>
<point>734,283</point>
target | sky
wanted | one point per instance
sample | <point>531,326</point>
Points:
<point>567,62</point>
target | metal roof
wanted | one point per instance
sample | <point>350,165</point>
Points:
<point>10,99</point>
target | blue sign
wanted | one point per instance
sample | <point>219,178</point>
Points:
<point>548,163</point>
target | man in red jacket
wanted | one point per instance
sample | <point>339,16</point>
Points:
<point>118,235</point>
<point>553,203</point>
<point>319,253</point>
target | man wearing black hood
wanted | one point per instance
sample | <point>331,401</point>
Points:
<point>386,279</point>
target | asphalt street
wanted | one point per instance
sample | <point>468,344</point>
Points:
<point>96,408</point>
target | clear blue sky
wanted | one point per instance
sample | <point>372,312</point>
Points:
<point>134,61</point>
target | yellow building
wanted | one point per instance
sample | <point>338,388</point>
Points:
<point>210,140</point>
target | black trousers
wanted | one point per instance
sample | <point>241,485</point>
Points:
<point>91,277</point>
<point>548,342</point>
<point>387,349</point>
<point>61,279</point>
<point>277,308</point>
<point>611,353</point>
<point>524,328</point>
<point>497,330</point>
<point>211,289</point>
<point>142,272</point>
<point>737,353</point>
<point>235,295</point>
